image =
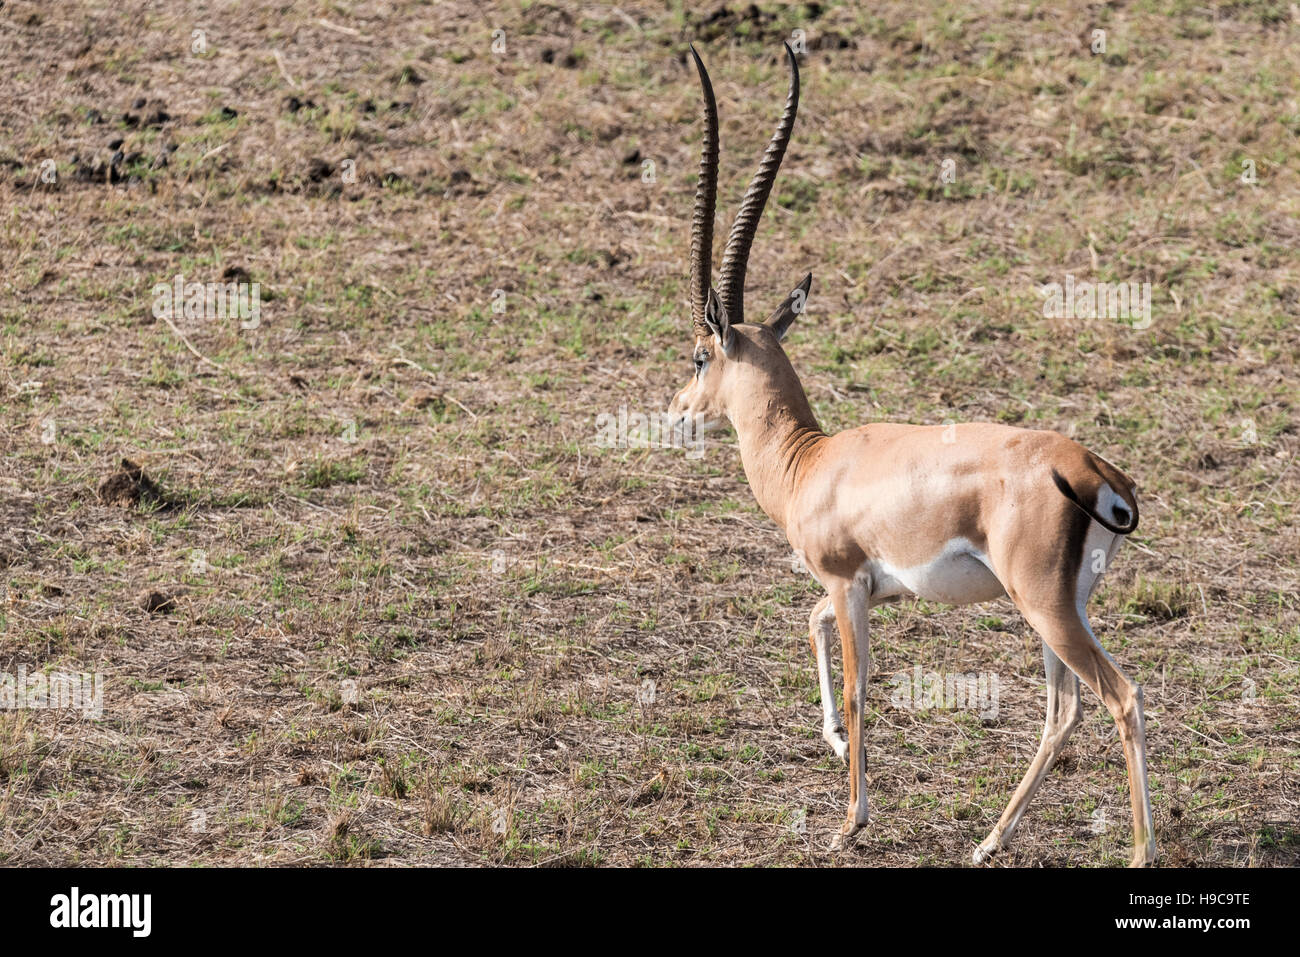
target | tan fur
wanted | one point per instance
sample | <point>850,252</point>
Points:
<point>893,496</point>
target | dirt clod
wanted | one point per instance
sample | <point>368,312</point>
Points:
<point>318,169</point>
<point>155,602</point>
<point>421,399</point>
<point>128,487</point>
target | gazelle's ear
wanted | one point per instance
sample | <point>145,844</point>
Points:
<point>719,324</point>
<point>794,304</point>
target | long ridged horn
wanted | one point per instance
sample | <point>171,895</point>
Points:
<point>731,283</point>
<point>706,199</point>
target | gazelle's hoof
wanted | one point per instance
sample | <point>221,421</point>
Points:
<point>845,836</point>
<point>841,842</point>
<point>987,847</point>
<point>1144,852</point>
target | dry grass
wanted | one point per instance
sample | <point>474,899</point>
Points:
<point>408,607</point>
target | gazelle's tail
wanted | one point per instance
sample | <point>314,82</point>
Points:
<point>1084,488</point>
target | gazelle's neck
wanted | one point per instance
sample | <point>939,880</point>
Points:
<point>777,434</point>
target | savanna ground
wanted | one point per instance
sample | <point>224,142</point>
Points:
<point>390,601</point>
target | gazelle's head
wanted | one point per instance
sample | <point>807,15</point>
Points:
<point>731,358</point>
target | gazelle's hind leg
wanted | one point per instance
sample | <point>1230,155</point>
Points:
<point>1064,710</point>
<point>821,632</point>
<point>1064,707</point>
<point>1066,631</point>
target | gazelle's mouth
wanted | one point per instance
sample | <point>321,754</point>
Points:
<point>687,429</point>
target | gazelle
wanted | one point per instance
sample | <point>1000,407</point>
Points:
<point>954,514</point>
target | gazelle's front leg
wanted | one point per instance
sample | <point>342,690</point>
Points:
<point>821,630</point>
<point>852,603</point>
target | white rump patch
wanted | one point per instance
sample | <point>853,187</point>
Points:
<point>1112,507</point>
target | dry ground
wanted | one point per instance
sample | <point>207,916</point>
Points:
<point>406,606</point>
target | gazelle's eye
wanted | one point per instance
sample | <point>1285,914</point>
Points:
<point>699,363</point>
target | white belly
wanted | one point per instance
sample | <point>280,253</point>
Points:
<point>958,575</point>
